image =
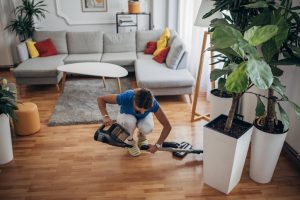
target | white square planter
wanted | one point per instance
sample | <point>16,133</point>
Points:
<point>224,157</point>
<point>6,150</point>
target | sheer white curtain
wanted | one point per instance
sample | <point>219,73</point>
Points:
<point>192,37</point>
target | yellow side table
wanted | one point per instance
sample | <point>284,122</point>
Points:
<point>28,119</point>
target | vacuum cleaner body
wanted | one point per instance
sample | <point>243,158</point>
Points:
<point>116,135</point>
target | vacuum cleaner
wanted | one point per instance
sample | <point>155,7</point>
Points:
<point>116,135</point>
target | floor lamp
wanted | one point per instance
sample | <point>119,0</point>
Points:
<point>205,7</point>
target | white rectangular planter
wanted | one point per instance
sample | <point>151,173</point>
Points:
<point>265,151</point>
<point>6,151</point>
<point>224,158</point>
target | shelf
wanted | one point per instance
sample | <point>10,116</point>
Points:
<point>123,21</point>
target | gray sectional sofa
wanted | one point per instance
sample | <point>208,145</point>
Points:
<point>125,49</point>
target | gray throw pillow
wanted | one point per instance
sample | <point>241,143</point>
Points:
<point>175,54</point>
<point>22,52</point>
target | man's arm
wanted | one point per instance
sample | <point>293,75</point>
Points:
<point>162,118</point>
<point>160,115</point>
<point>102,101</point>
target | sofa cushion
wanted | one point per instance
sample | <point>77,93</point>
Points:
<point>85,42</point>
<point>162,56</point>
<point>78,58</point>
<point>151,74</point>
<point>123,59</point>
<point>33,52</point>
<point>121,42</point>
<point>40,67</point>
<point>175,54</point>
<point>22,52</point>
<point>59,39</point>
<point>46,48</point>
<point>163,41</point>
<point>143,37</point>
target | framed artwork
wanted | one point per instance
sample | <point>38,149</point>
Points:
<point>94,5</point>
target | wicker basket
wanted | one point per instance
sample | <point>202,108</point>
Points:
<point>134,7</point>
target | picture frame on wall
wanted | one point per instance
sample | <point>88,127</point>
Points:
<point>94,5</point>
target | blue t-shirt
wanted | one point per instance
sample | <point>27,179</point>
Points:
<point>125,100</point>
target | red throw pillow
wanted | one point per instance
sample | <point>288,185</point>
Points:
<point>46,48</point>
<point>150,48</point>
<point>161,57</point>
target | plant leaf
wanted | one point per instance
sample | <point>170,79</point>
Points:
<point>217,73</point>
<point>250,32</point>
<point>295,107</point>
<point>237,81</point>
<point>260,107</point>
<point>284,118</point>
<point>277,86</point>
<point>260,73</point>
<point>221,84</point>
<point>225,36</point>
<point>259,4</point>
<point>269,49</point>
<point>262,34</point>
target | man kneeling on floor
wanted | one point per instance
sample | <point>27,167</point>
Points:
<point>136,111</point>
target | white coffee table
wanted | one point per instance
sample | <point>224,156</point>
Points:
<point>94,69</point>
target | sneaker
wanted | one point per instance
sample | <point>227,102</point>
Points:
<point>134,150</point>
<point>142,140</point>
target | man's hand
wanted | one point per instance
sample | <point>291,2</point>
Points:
<point>152,148</point>
<point>107,121</point>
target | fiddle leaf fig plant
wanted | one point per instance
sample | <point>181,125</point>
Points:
<point>250,68</point>
<point>271,37</point>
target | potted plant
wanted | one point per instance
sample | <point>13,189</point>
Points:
<point>269,133</point>
<point>238,15</point>
<point>223,167</point>
<point>7,108</point>
<point>226,140</point>
<point>26,12</point>
<point>271,125</point>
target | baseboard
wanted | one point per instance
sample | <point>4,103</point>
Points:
<point>291,154</point>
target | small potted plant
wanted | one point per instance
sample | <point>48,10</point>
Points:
<point>7,108</point>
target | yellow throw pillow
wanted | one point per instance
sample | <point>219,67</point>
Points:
<point>162,42</point>
<point>33,52</point>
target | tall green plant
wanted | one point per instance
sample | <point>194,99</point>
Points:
<point>249,69</point>
<point>23,25</point>
<point>284,49</point>
<point>250,16</point>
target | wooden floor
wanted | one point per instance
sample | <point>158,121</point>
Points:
<point>65,163</point>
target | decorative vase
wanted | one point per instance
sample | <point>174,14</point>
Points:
<point>6,150</point>
<point>134,7</point>
<point>224,155</point>
<point>265,151</point>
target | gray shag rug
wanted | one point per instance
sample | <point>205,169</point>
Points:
<point>78,103</point>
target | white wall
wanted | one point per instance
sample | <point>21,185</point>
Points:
<point>67,15</point>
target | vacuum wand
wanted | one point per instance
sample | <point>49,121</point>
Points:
<point>116,135</point>
<point>171,149</point>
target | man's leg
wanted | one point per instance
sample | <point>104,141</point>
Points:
<point>129,123</point>
<point>145,127</point>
